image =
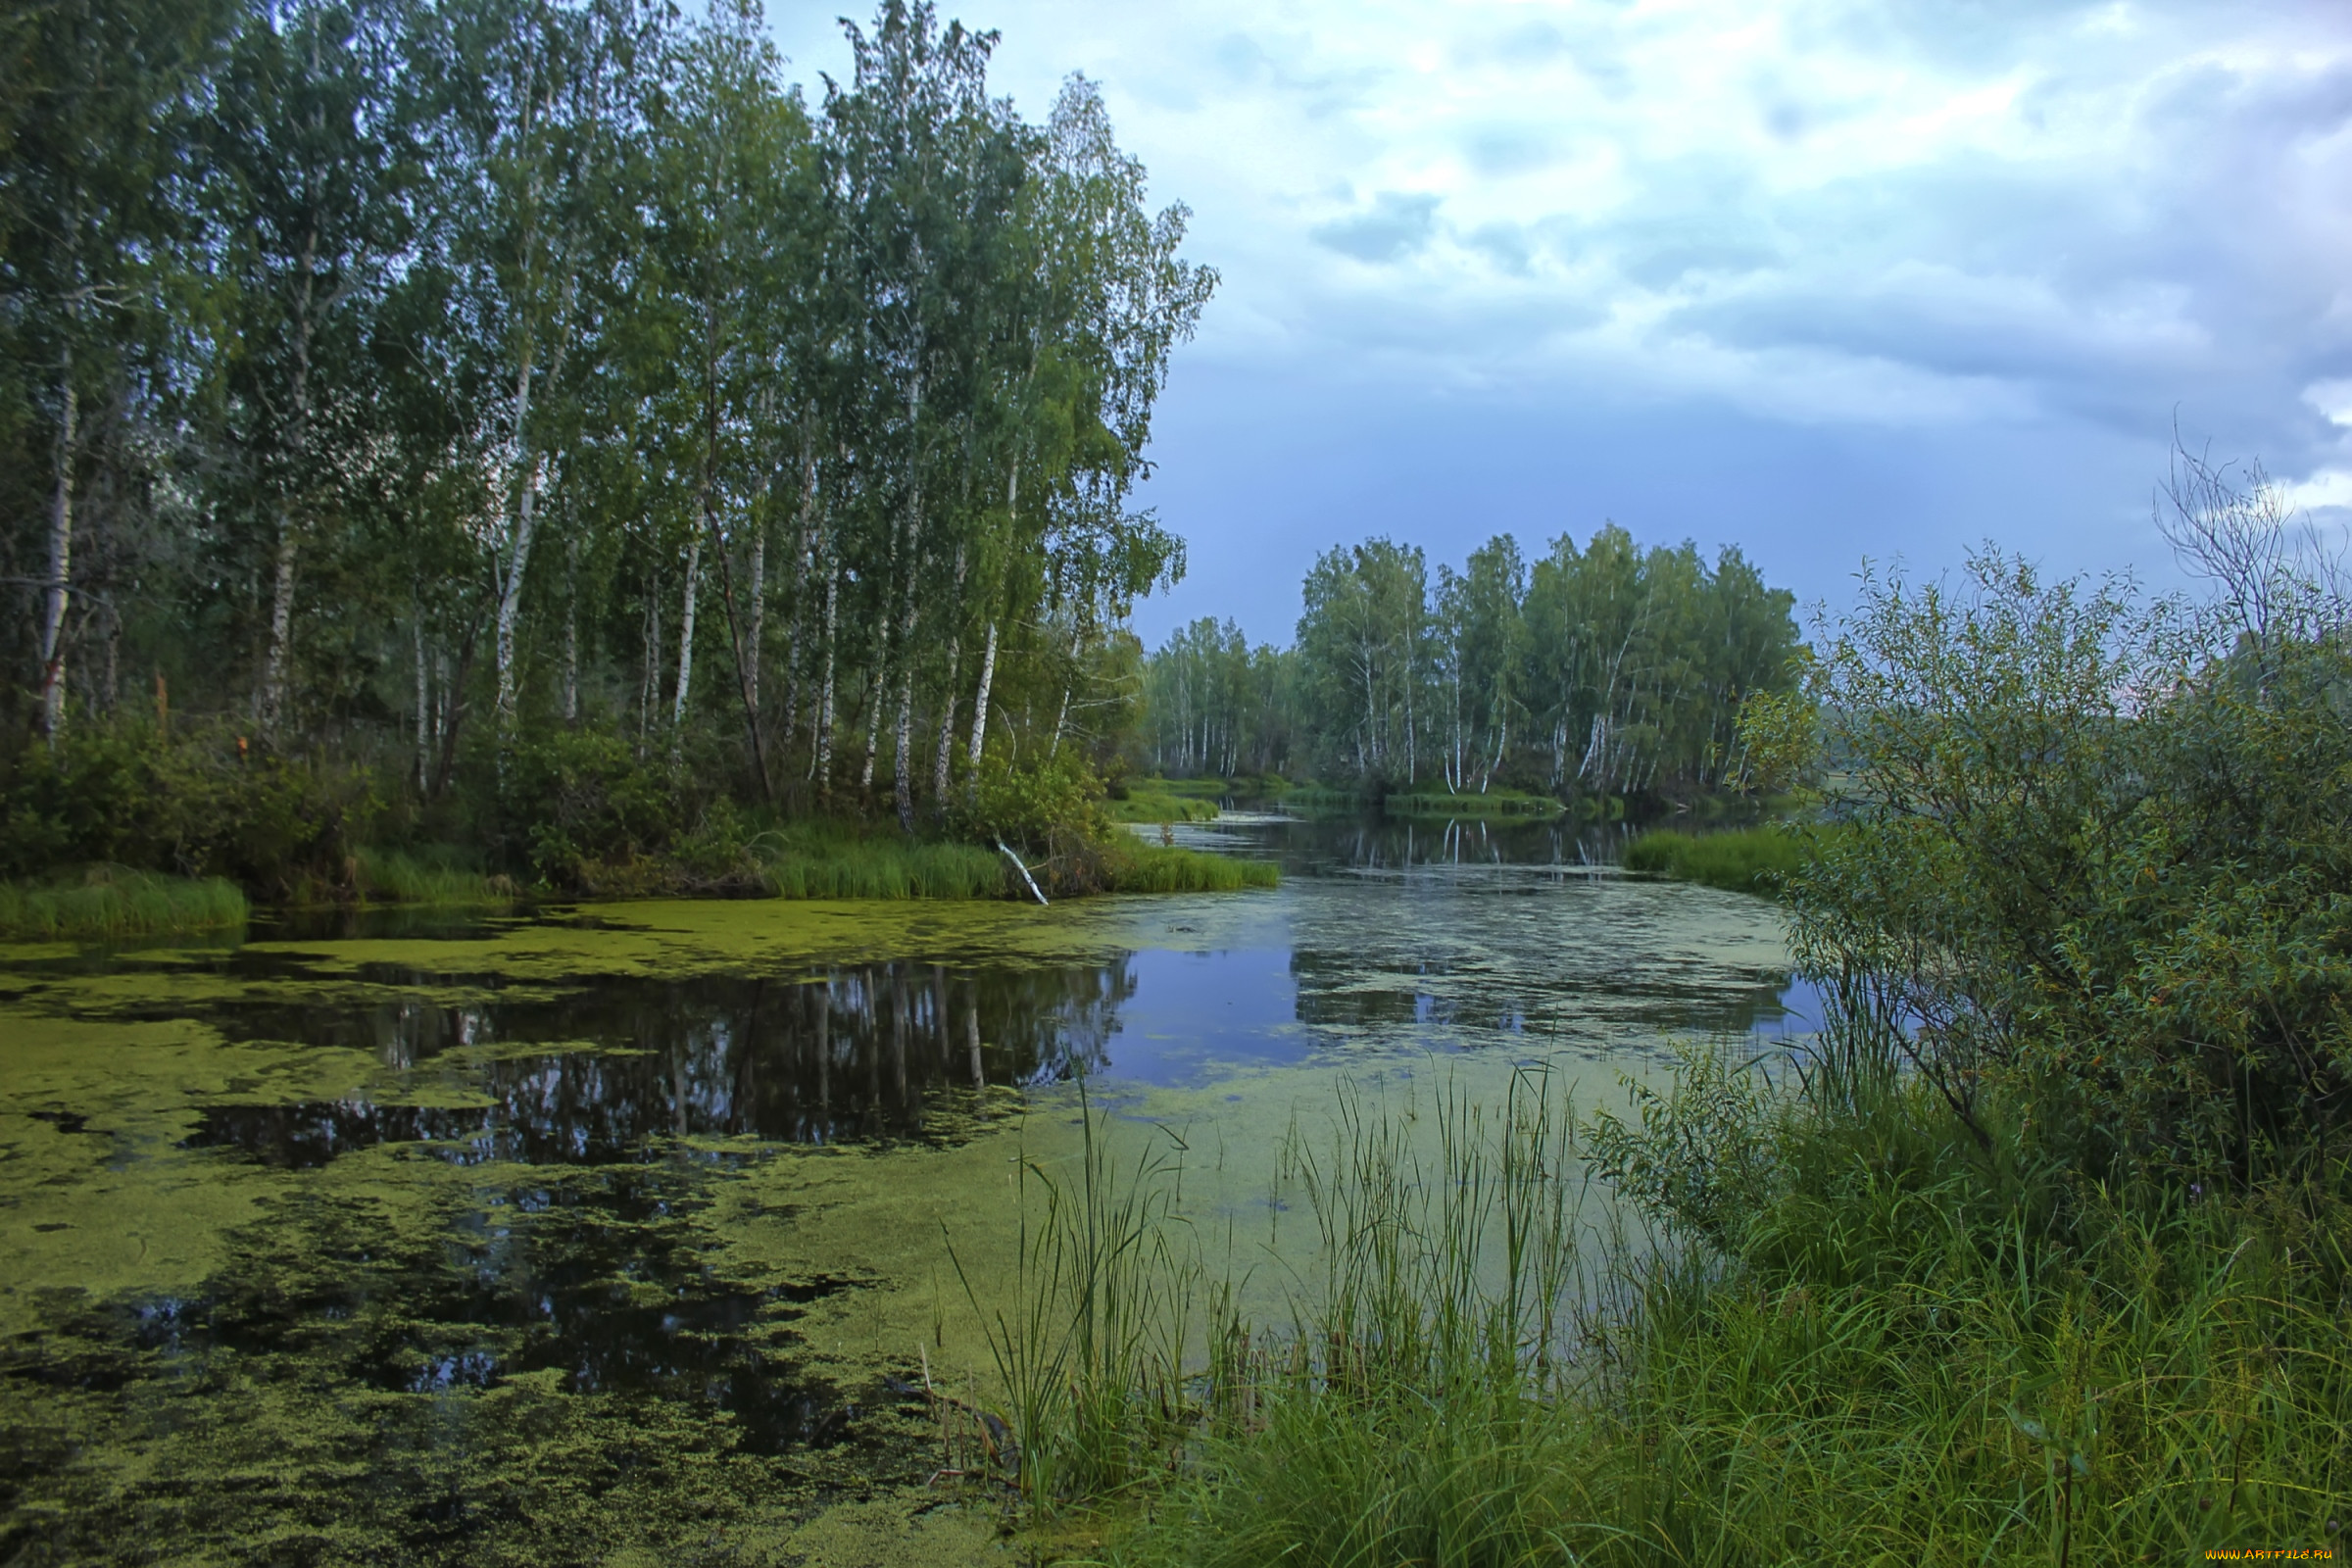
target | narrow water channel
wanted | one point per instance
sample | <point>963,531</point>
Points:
<point>613,1234</point>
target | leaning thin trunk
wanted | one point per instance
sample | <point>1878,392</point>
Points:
<point>1061,715</point>
<point>988,678</point>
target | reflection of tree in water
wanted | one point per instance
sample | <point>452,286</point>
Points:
<point>1372,844</point>
<point>862,1054</point>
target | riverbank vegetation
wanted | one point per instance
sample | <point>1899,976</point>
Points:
<point>454,440</point>
<point>1749,859</point>
<point>115,902</point>
<point>2040,1252</point>
<point>1603,671</point>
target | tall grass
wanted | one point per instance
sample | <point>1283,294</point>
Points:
<point>1854,1339</point>
<point>428,876</point>
<point>1088,1335</point>
<point>1159,868</point>
<point>113,902</point>
<point>1751,860</point>
<point>814,861</point>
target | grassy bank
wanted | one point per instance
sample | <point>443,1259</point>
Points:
<point>832,861</point>
<point>111,902</point>
<point>1852,1337</point>
<point>1749,859</point>
<point>1154,805</point>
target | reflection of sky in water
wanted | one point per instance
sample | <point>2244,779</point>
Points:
<point>1195,1012</point>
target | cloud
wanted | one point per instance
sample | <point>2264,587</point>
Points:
<point>2010,230</point>
<point>1396,226</point>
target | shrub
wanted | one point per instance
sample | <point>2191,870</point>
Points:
<point>2096,861</point>
<point>206,802</point>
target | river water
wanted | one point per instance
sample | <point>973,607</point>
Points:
<point>614,1234</point>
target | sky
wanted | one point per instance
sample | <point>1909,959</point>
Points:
<point>1823,279</point>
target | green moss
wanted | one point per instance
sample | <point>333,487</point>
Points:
<point>111,902</point>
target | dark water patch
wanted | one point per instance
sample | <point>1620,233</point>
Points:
<point>617,1071</point>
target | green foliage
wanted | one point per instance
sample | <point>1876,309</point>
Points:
<point>1043,807</point>
<point>204,803</point>
<point>1752,860</point>
<point>1607,670</point>
<point>2096,859</point>
<point>580,806</point>
<point>411,377</point>
<point>114,901</point>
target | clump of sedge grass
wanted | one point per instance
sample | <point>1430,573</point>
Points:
<point>427,877</point>
<point>1160,869</point>
<point>115,902</point>
<point>1752,860</point>
<point>820,860</point>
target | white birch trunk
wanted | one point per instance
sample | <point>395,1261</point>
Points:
<point>694,579</point>
<point>519,541</point>
<point>277,668</point>
<point>821,766</point>
<point>56,593</point>
<point>988,676</point>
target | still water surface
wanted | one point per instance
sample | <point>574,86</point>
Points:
<point>616,1231</point>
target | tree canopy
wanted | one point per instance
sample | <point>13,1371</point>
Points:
<point>1607,670</point>
<point>406,378</point>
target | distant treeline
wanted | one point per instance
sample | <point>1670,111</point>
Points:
<point>1608,670</point>
<point>389,380</point>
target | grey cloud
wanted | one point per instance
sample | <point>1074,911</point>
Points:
<point>1396,226</point>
